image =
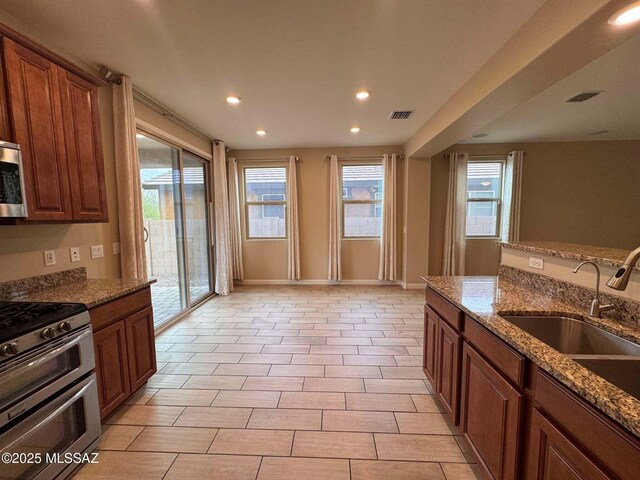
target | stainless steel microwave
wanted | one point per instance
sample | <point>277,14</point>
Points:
<point>12,194</point>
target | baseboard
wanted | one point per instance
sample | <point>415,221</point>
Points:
<point>317,282</point>
<point>412,286</point>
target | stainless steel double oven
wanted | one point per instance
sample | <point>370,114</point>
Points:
<point>49,413</point>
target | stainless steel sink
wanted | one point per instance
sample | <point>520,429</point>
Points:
<point>574,337</point>
<point>621,372</point>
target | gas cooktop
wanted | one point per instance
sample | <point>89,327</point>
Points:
<point>18,318</point>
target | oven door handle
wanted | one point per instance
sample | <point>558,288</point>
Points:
<point>31,363</point>
<point>51,416</point>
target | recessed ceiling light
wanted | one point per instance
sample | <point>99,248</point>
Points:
<point>355,129</point>
<point>363,94</point>
<point>139,135</point>
<point>480,135</point>
<point>261,132</point>
<point>629,14</point>
<point>234,99</point>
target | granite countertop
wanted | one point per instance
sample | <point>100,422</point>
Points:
<point>486,298</point>
<point>603,255</point>
<point>70,286</point>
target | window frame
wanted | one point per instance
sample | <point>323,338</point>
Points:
<point>247,204</point>
<point>375,203</point>
<point>497,199</point>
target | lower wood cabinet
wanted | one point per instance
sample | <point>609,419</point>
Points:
<point>141,347</point>
<point>124,344</point>
<point>430,345</point>
<point>448,367</point>
<point>490,416</point>
<point>553,456</point>
<point>110,348</point>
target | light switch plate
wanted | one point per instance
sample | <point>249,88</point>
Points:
<point>116,248</point>
<point>97,251</point>
<point>535,262</point>
<point>74,253</point>
<point>49,258</point>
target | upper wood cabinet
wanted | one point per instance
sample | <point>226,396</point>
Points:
<point>81,120</point>
<point>35,113</point>
<point>54,116</point>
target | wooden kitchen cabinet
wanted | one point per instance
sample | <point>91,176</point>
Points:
<point>490,415</point>
<point>125,349</point>
<point>569,438</point>
<point>555,457</point>
<point>81,121</point>
<point>443,324</point>
<point>141,346</point>
<point>429,356</point>
<point>35,113</point>
<point>110,348</point>
<point>53,114</point>
<point>448,367</point>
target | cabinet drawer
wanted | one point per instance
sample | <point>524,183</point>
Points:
<point>508,361</point>
<point>606,442</point>
<point>445,309</point>
<point>115,310</point>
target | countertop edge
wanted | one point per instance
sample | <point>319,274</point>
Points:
<point>122,293</point>
<point>565,254</point>
<point>553,362</point>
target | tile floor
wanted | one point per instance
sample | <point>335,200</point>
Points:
<point>288,383</point>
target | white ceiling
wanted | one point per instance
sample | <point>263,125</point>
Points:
<point>295,63</point>
<point>547,117</point>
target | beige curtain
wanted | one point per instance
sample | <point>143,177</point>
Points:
<point>511,197</point>
<point>223,255</point>
<point>133,263</point>
<point>235,237</point>
<point>456,215</point>
<point>387,261</point>
<point>335,268</point>
<point>293,239</point>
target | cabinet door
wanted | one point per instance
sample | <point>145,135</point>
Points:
<point>84,148</point>
<point>36,116</point>
<point>141,347</point>
<point>429,356</point>
<point>552,456</point>
<point>448,377</point>
<point>490,415</point>
<point>110,345</point>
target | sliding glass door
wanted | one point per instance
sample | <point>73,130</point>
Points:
<point>177,231</point>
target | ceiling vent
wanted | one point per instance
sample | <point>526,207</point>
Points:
<point>400,114</point>
<point>584,96</point>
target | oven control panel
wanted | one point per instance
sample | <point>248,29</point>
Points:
<point>43,335</point>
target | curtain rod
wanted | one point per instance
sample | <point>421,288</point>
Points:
<point>486,155</point>
<point>265,159</point>
<point>165,112</point>
<point>368,157</point>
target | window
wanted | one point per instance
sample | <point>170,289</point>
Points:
<point>362,196</point>
<point>265,193</point>
<point>484,194</point>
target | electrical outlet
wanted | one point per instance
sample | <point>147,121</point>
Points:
<point>116,248</point>
<point>74,252</point>
<point>97,251</point>
<point>49,258</point>
<point>535,262</point>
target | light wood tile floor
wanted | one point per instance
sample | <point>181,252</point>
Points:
<point>288,383</point>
